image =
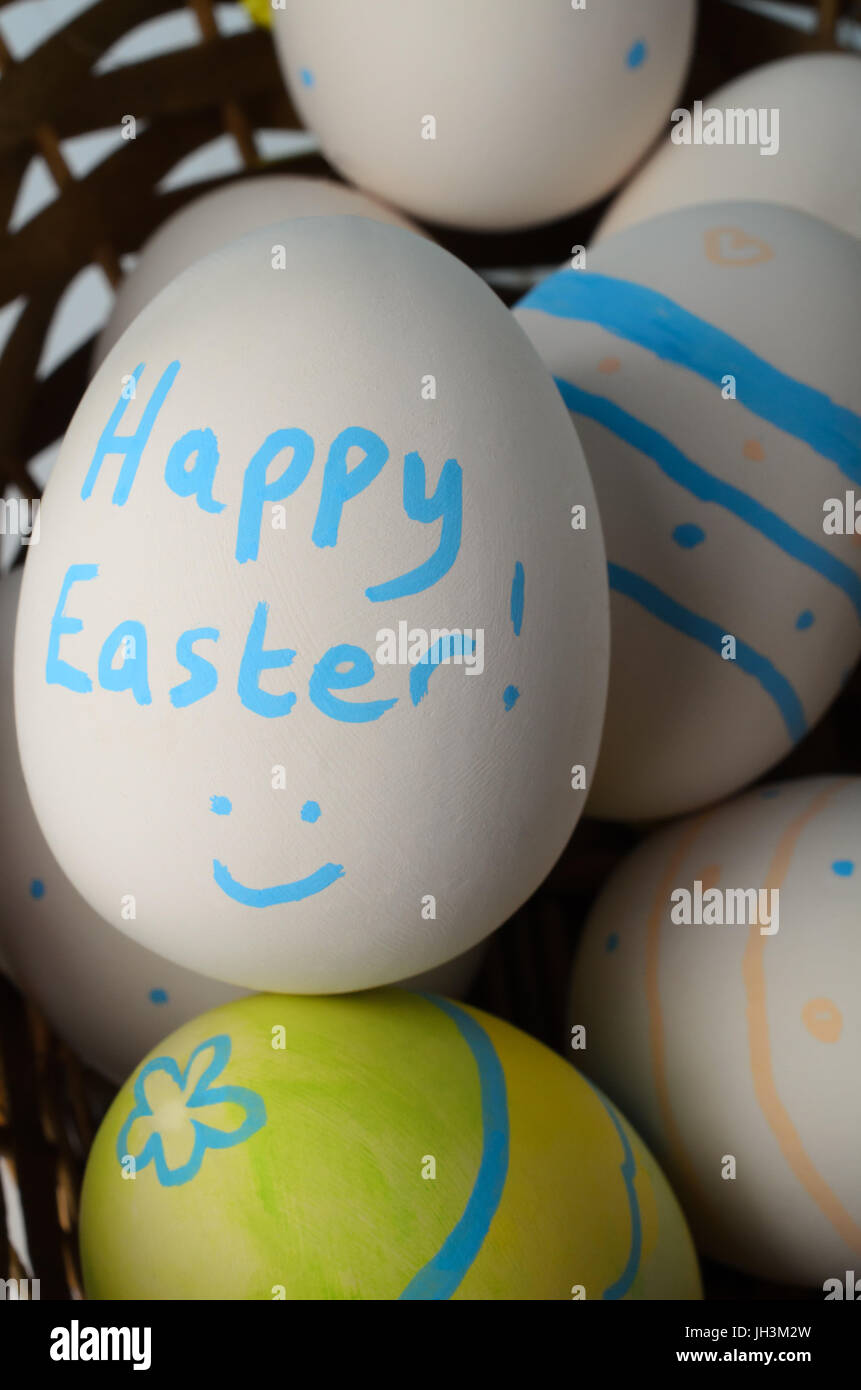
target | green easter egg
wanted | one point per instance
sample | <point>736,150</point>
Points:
<point>376,1146</point>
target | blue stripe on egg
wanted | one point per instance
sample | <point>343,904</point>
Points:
<point>442,1275</point>
<point>707,488</point>
<point>657,323</point>
<point>711,635</point>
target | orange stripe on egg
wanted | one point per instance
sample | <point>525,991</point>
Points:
<point>772,1107</point>
<point>657,1037</point>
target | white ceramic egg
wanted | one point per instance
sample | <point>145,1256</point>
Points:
<point>492,114</point>
<point>710,361</point>
<point>110,999</point>
<point>223,216</point>
<point>785,133</point>
<point>225,720</point>
<point>719,984</point>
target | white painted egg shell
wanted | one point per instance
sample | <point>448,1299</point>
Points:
<point>493,114</point>
<point>735,617</point>
<point>814,135</point>
<point>737,1041</point>
<point>110,999</point>
<point>220,217</point>
<point>282,810</point>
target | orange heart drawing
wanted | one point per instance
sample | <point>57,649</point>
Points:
<point>733,247</point>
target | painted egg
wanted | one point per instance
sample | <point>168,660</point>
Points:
<point>496,114</point>
<point>301,692</point>
<point>213,221</point>
<point>377,1146</point>
<point>783,133</point>
<point>108,998</point>
<point>709,359</point>
<point>719,984</point>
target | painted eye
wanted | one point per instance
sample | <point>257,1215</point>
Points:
<point>822,1019</point>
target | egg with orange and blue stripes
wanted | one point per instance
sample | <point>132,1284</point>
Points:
<point>709,359</point>
<point>719,986</point>
<point>379,1146</point>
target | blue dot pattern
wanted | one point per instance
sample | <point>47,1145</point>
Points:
<point>637,54</point>
<point>306,77</point>
<point>688,536</point>
<point>844,868</point>
<point>311,811</point>
<point>158,996</point>
<point>804,620</point>
<point>612,942</point>
<point>37,888</point>
<point>510,696</point>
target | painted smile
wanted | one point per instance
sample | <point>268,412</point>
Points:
<point>280,892</point>
<point>293,892</point>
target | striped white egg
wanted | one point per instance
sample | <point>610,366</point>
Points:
<point>709,358</point>
<point>735,1048</point>
<point>488,114</point>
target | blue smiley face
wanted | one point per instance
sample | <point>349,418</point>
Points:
<point>294,891</point>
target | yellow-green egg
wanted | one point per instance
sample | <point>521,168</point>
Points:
<point>388,1145</point>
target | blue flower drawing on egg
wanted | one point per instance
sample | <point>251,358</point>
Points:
<point>178,1115</point>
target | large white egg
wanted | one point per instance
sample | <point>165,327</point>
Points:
<point>710,361</point>
<point>490,114</point>
<point>347,455</point>
<point>220,217</point>
<point>785,133</point>
<point>719,983</point>
<point>110,999</point>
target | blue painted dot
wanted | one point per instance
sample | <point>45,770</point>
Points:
<point>844,868</point>
<point>637,54</point>
<point>769,793</point>
<point>688,536</point>
<point>306,77</point>
<point>37,888</point>
<point>612,942</point>
<point>510,696</point>
<point>804,620</point>
<point>158,996</point>
<point>221,805</point>
<point>311,811</point>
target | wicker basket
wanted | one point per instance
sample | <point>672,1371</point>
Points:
<point>221,84</point>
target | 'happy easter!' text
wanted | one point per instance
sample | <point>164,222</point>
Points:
<point>191,472</point>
